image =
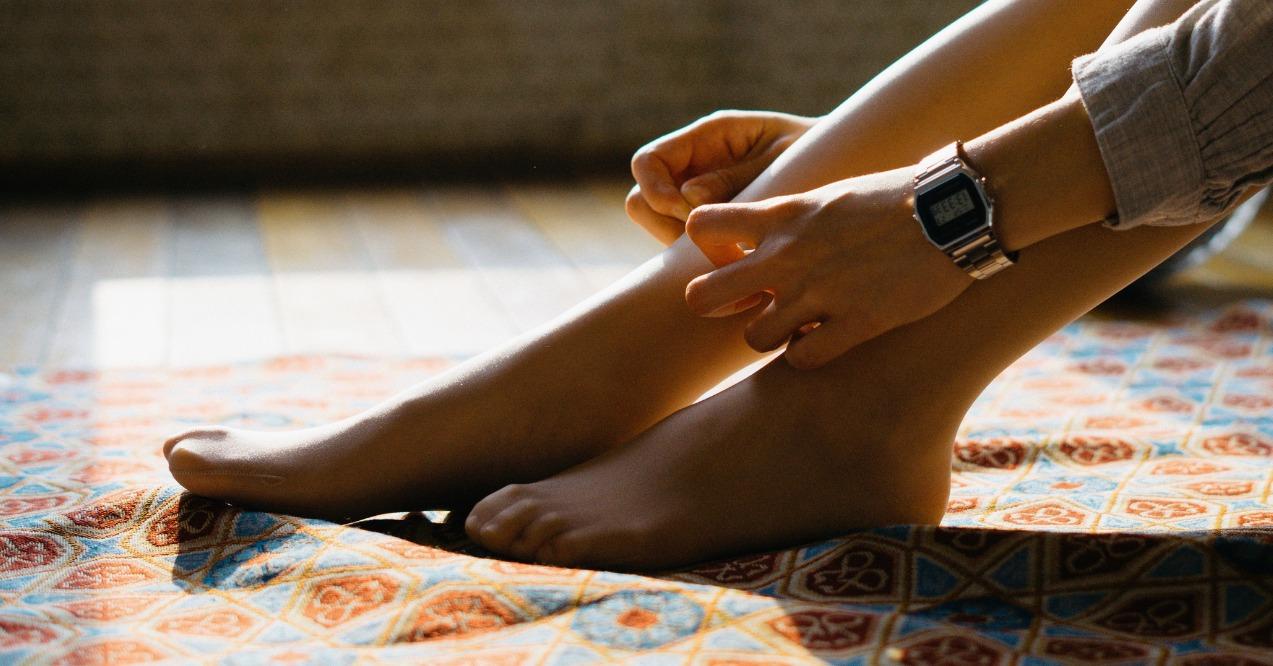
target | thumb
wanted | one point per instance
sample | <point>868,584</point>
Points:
<point>723,184</point>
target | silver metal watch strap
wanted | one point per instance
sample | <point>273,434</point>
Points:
<point>940,160</point>
<point>980,256</point>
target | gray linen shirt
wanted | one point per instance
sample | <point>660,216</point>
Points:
<point>1184,113</point>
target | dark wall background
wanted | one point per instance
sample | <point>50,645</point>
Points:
<point>129,89</point>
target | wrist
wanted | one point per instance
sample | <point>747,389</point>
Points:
<point>1044,172</point>
<point>955,212</point>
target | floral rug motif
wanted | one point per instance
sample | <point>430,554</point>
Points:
<point>1111,504</point>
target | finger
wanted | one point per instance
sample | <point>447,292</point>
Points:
<point>763,298</point>
<point>828,341</point>
<point>778,323</point>
<point>657,182</point>
<point>721,185</point>
<point>717,230</point>
<point>709,295</point>
<point>664,229</point>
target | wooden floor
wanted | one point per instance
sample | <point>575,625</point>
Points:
<point>179,281</point>
<point>432,270</point>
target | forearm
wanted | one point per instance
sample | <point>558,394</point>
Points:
<point>1143,15</point>
<point>1044,172</point>
<point>1011,57</point>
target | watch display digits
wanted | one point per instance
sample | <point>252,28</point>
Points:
<point>951,207</point>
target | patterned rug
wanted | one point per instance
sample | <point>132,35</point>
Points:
<point>1111,504</point>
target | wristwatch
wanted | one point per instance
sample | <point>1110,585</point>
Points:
<point>956,214</point>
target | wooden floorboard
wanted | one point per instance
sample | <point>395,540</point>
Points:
<point>222,305</point>
<point>114,309</point>
<point>35,253</point>
<point>439,304</point>
<point>329,300</point>
<point>531,279</point>
<point>596,238</point>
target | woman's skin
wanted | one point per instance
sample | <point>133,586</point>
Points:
<point>857,237</point>
<point>791,455</point>
<point>787,456</point>
<point>854,236</point>
<point>783,456</point>
<point>596,376</point>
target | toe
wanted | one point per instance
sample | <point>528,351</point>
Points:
<point>172,442</point>
<point>484,510</point>
<point>541,528</point>
<point>499,533</point>
<point>196,461</point>
<point>210,433</point>
<point>489,507</point>
<point>182,457</point>
<point>473,522</point>
<point>510,509</point>
<point>564,549</point>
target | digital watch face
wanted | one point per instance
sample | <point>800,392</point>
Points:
<point>951,210</point>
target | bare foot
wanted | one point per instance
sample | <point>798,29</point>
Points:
<point>445,442</point>
<point>781,458</point>
<point>597,376</point>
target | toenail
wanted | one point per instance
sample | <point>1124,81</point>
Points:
<point>170,445</point>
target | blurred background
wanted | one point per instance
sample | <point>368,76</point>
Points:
<point>184,92</point>
<point>211,181</point>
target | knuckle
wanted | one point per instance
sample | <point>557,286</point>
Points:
<point>635,201</point>
<point>641,160</point>
<point>729,180</point>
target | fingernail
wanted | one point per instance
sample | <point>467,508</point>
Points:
<point>697,195</point>
<point>735,308</point>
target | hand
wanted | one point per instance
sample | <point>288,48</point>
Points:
<point>709,161</point>
<point>844,263</point>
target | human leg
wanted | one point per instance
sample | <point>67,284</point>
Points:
<point>787,455</point>
<point>594,377</point>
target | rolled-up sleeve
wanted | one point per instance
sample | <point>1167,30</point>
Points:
<point>1184,113</point>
